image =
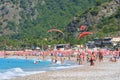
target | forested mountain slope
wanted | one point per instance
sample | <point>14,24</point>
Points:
<point>103,20</point>
<point>31,16</point>
<point>25,22</point>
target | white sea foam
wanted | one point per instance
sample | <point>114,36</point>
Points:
<point>19,72</point>
<point>17,57</point>
<point>16,72</point>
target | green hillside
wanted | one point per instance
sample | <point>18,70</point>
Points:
<point>102,20</point>
<point>24,23</point>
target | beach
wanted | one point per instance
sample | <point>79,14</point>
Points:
<point>100,71</point>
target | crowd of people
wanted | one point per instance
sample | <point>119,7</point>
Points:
<point>81,58</point>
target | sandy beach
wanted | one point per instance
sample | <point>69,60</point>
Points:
<point>101,71</point>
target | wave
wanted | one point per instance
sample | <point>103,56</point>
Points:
<point>16,72</point>
<point>23,70</point>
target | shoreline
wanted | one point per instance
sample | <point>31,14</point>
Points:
<point>101,71</point>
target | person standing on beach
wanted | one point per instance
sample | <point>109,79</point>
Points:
<point>83,54</point>
<point>119,54</point>
<point>77,57</point>
<point>52,58</point>
<point>87,57</point>
<point>80,59</point>
<point>56,59</point>
<point>61,57</point>
<point>92,59</point>
<point>100,56</point>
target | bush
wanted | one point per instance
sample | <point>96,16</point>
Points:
<point>1,23</point>
<point>98,2</point>
<point>94,11</point>
<point>117,15</point>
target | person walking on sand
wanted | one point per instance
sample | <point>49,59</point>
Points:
<point>92,59</point>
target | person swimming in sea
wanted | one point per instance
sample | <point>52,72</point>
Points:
<point>36,62</point>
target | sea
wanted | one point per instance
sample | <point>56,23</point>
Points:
<point>18,67</point>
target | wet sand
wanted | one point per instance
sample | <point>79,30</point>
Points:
<point>101,71</point>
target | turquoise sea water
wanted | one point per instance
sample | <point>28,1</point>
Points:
<point>27,65</point>
<point>15,67</point>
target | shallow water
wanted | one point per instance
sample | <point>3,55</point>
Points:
<point>15,67</point>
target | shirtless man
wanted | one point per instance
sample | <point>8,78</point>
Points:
<point>92,59</point>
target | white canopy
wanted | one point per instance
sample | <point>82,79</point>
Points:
<point>115,39</point>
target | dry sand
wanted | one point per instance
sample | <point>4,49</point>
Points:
<point>101,71</point>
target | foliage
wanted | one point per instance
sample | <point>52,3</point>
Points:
<point>1,23</point>
<point>94,11</point>
<point>109,26</point>
<point>37,16</point>
<point>117,15</point>
<point>98,2</point>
